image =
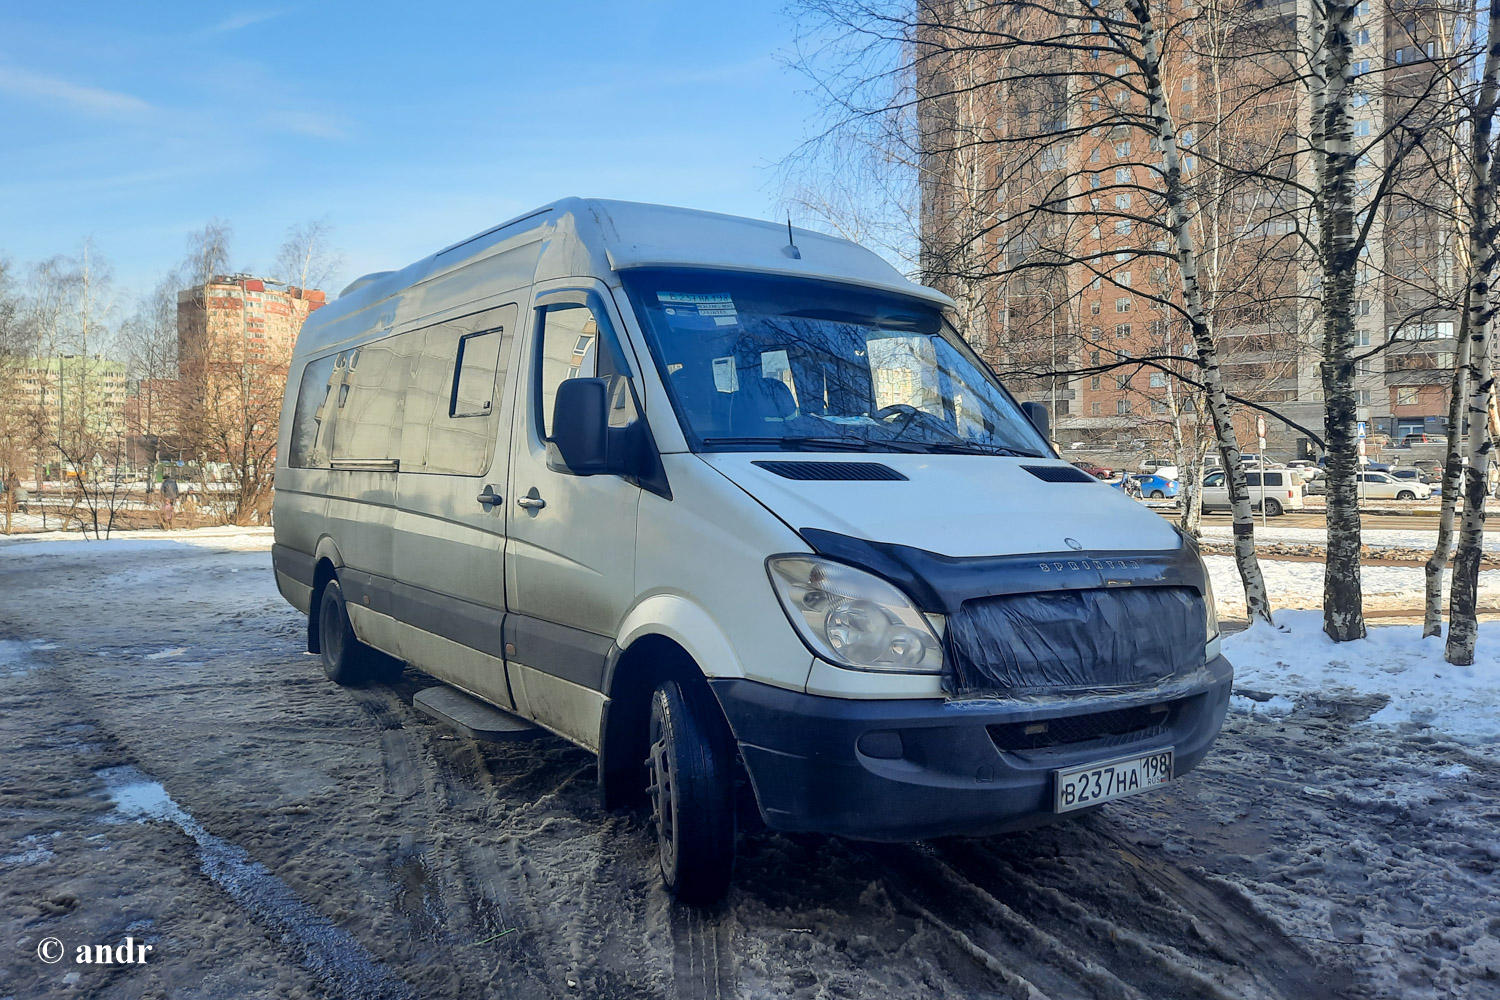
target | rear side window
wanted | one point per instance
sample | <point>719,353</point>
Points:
<point>313,417</point>
<point>372,389</point>
<point>1252,478</point>
<point>1274,479</point>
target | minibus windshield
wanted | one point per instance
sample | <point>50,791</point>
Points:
<point>758,362</point>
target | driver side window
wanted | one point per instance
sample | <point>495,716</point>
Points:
<point>573,342</point>
<point>1214,479</point>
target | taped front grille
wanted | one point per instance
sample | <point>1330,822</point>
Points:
<point>1073,641</point>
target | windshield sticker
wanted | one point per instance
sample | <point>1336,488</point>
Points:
<point>709,305</point>
<point>726,375</point>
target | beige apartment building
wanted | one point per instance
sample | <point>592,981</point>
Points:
<point>1039,217</point>
<point>76,399</point>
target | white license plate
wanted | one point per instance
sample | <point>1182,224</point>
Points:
<point>1090,784</point>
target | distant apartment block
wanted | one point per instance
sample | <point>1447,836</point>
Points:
<point>72,397</point>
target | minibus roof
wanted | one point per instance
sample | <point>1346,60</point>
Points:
<point>590,236</point>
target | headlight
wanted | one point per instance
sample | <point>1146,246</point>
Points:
<point>854,618</point>
<point>1210,610</point>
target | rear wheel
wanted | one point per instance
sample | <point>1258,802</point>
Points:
<point>692,793</point>
<point>346,660</point>
<point>1406,495</point>
<point>1272,507</point>
<point>1158,495</point>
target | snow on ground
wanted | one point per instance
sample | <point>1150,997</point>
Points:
<point>1376,538</point>
<point>231,537</point>
<point>1400,676</point>
<point>1299,584</point>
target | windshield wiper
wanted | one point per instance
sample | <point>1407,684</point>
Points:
<point>977,448</point>
<point>796,442</point>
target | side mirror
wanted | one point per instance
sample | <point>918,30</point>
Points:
<point>580,425</point>
<point>1037,414</point>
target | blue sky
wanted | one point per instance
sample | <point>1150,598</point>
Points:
<point>406,125</point>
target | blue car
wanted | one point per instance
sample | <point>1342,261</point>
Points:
<point>1152,487</point>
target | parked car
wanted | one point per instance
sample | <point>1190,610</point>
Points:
<point>1151,487</point>
<point>1411,439</point>
<point>631,474</point>
<point>1317,486</point>
<point>1305,468</point>
<point>1097,471</point>
<point>1414,475</point>
<point>1277,490</point>
<point>1160,467</point>
<point>1384,486</point>
<point>1433,467</point>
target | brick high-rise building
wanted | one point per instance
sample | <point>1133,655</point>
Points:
<point>235,336</point>
<point>239,319</point>
<point>1035,180</point>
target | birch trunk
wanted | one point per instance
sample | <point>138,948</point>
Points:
<point>1257,603</point>
<point>1333,155</point>
<point>1452,477</point>
<point>1463,626</point>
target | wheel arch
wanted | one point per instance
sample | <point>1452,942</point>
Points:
<point>326,563</point>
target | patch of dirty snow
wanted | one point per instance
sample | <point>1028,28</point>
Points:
<point>1395,672</point>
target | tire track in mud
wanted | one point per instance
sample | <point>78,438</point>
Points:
<point>1089,914</point>
<point>702,955</point>
<point>453,889</point>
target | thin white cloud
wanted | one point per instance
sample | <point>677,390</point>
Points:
<point>52,90</point>
<point>319,126</point>
<point>245,19</point>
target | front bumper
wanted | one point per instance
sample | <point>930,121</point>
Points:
<point>915,768</point>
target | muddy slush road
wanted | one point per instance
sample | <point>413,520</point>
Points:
<point>176,770</point>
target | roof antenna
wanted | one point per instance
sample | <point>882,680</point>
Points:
<point>791,245</point>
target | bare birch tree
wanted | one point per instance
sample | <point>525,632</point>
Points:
<point>1484,256</point>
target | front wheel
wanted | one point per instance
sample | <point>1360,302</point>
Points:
<point>1406,495</point>
<point>1273,508</point>
<point>692,793</point>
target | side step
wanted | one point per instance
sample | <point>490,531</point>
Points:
<point>472,717</point>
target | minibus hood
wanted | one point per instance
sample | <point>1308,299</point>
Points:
<point>954,505</point>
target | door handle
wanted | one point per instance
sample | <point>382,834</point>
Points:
<point>489,497</point>
<point>532,500</point>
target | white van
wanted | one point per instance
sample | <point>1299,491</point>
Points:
<point>720,502</point>
<point>1277,490</point>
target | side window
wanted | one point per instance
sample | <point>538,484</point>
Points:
<point>1214,479</point>
<point>313,417</point>
<point>1252,479</point>
<point>1273,479</point>
<point>455,374</point>
<point>573,342</point>
<point>474,379</point>
<point>371,396</point>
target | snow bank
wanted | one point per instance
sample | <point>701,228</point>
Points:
<point>1394,665</point>
<point>1299,584</point>
<point>1375,538</point>
<point>228,537</point>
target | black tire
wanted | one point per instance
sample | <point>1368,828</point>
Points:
<point>1272,507</point>
<point>691,770</point>
<point>1158,495</point>
<point>346,660</point>
<point>1406,495</point>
